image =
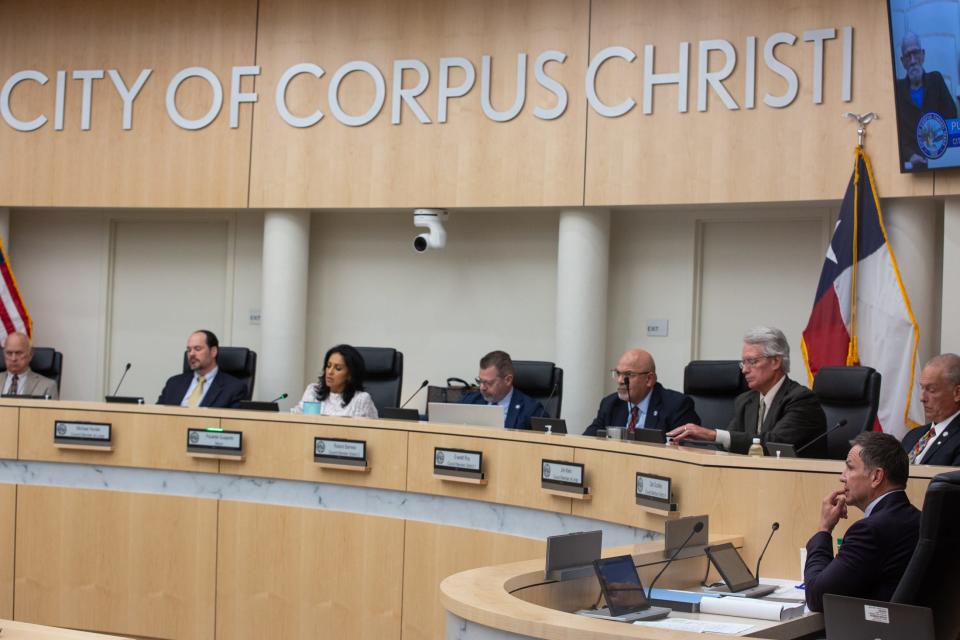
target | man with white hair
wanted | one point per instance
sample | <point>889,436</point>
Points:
<point>938,442</point>
<point>19,379</point>
<point>776,409</point>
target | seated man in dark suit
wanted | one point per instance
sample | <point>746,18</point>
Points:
<point>205,385</point>
<point>786,411</point>
<point>938,442</point>
<point>496,387</point>
<point>876,548</point>
<point>640,401</point>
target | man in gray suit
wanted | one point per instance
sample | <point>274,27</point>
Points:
<point>18,379</point>
<point>786,411</point>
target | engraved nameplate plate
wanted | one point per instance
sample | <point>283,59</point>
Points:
<point>560,475</point>
<point>458,463</point>
<point>215,441</point>
<point>338,451</point>
<point>95,434</point>
<point>654,492</point>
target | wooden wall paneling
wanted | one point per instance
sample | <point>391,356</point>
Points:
<point>285,450</point>
<point>156,163</point>
<point>140,439</point>
<point>8,518</point>
<point>512,470</point>
<point>433,552</point>
<point>125,563</point>
<point>467,161</point>
<point>287,572</point>
<point>801,152</point>
<point>9,427</point>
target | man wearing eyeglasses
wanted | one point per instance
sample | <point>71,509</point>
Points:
<point>917,93</point>
<point>776,409</point>
<point>496,388</point>
<point>18,379</point>
<point>640,401</point>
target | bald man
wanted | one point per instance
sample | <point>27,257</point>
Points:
<point>938,442</point>
<point>640,401</point>
<point>18,379</point>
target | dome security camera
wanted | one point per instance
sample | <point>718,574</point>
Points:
<point>431,219</point>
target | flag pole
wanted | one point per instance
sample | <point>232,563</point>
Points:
<point>853,352</point>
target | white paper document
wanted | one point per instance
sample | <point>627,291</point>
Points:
<point>697,626</point>
<point>751,608</point>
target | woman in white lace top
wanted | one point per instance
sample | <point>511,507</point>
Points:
<point>340,389</point>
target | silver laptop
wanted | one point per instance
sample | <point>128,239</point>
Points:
<point>626,599</point>
<point>736,576</point>
<point>477,415</point>
<point>857,619</point>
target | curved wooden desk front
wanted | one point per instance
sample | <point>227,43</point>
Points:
<point>145,540</point>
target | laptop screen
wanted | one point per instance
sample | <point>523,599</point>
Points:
<point>621,585</point>
<point>731,567</point>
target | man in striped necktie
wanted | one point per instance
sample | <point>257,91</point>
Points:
<point>939,441</point>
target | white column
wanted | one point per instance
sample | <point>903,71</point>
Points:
<point>583,262</point>
<point>912,230</point>
<point>286,254</point>
<point>5,228</point>
<point>950,300</point>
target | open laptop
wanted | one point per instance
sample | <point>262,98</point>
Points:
<point>624,594</point>
<point>736,576</point>
<point>397,413</point>
<point>848,618</point>
<point>571,555</point>
<point>556,425</point>
<point>477,415</point>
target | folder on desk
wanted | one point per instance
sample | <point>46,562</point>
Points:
<point>685,601</point>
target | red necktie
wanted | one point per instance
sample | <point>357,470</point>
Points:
<point>634,416</point>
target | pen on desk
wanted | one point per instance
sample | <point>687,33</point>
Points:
<point>800,586</point>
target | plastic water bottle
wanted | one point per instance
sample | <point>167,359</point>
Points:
<point>756,449</point>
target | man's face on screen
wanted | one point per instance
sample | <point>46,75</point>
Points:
<point>911,56</point>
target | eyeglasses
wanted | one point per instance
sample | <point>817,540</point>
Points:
<point>628,375</point>
<point>486,383</point>
<point>913,54</point>
<point>750,363</point>
<point>14,354</point>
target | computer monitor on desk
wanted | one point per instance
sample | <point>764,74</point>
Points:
<point>477,415</point>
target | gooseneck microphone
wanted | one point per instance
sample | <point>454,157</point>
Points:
<point>823,435</point>
<point>280,397</point>
<point>697,528</point>
<point>414,394</point>
<point>773,530</point>
<point>546,402</point>
<point>125,369</point>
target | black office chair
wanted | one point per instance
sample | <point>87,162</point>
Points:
<point>541,381</point>
<point>931,576</point>
<point>384,375</point>
<point>713,385</point>
<point>239,362</point>
<point>47,362</point>
<point>851,394</point>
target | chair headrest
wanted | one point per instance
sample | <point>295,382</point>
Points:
<point>42,358</point>
<point>950,477</point>
<point>713,377</point>
<point>232,358</point>
<point>842,384</point>
<point>379,361</point>
<point>533,376</point>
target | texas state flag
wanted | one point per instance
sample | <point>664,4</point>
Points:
<point>879,330</point>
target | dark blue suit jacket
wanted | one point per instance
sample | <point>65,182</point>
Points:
<point>225,391</point>
<point>668,409</point>
<point>946,448</point>
<point>872,558</point>
<point>522,408</point>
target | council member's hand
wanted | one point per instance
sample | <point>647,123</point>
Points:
<point>833,508</point>
<point>693,432</point>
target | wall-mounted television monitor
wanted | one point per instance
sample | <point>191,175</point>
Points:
<point>925,47</point>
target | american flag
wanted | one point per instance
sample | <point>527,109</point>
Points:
<point>13,312</point>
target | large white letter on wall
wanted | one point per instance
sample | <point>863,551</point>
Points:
<point>334,99</point>
<point>235,96</point>
<point>446,91</point>
<point>13,81</point>
<point>590,84</point>
<point>781,70</point>
<point>127,95</point>
<point>281,96</point>
<point>715,78</point>
<point>550,85</point>
<point>216,102</point>
<point>514,110</point>
<point>409,96</point>
<point>679,78</point>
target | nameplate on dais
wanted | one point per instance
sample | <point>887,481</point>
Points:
<point>215,441</point>
<point>654,492</point>
<point>339,451</point>
<point>96,434</point>
<point>560,475</point>
<point>458,463</point>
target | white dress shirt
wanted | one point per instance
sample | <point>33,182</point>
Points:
<point>360,406</point>
<point>937,431</point>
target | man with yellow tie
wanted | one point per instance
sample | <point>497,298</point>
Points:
<point>204,385</point>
